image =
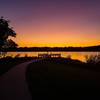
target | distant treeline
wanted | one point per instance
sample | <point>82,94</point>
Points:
<point>90,48</point>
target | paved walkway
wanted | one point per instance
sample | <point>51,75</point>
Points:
<point>13,85</point>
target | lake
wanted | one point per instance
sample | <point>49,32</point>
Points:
<point>73,55</point>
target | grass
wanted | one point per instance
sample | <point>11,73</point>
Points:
<point>8,62</point>
<point>60,77</point>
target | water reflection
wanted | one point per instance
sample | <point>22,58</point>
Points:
<point>73,55</point>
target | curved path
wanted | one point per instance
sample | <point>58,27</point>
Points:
<point>13,84</point>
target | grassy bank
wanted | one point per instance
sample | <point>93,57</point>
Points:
<point>9,62</point>
<point>60,77</point>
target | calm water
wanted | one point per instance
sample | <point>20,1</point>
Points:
<point>74,55</point>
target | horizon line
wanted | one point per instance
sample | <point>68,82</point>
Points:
<point>57,46</point>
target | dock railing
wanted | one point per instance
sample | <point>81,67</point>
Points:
<point>44,55</point>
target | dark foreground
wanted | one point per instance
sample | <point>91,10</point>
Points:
<point>8,62</point>
<point>56,78</point>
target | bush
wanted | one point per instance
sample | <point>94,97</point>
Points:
<point>93,59</point>
<point>3,54</point>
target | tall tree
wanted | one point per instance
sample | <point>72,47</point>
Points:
<point>10,44</point>
<point>5,32</point>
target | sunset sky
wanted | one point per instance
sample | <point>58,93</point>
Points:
<point>53,22</point>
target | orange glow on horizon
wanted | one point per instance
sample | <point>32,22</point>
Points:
<point>54,23</point>
<point>55,42</point>
<point>57,34</point>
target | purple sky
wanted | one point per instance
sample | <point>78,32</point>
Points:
<point>39,22</point>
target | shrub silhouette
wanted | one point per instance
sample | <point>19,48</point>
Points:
<point>92,59</point>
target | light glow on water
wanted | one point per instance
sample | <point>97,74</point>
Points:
<point>74,55</point>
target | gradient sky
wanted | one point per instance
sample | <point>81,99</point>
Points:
<point>54,22</point>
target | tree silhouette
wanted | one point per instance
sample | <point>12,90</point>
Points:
<point>10,44</point>
<point>5,32</point>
